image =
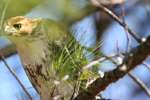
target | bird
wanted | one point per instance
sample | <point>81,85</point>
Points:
<point>37,42</point>
<point>33,38</point>
<point>49,53</point>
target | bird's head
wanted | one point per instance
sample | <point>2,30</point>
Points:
<point>20,26</point>
<point>21,31</point>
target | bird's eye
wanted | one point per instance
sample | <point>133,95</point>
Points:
<point>17,26</point>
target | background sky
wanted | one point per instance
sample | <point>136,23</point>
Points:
<point>123,89</point>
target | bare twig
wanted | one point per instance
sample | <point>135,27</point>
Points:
<point>97,61</point>
<point>126,31</point>
<point>140,83</point>
<point>120,21</point>
<point>15,76</point>
<point>146,65</point>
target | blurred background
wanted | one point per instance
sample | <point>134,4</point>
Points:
<point>89,26</point>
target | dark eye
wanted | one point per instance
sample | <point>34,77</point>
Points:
<point>17,26</point>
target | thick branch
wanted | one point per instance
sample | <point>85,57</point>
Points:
<point>136,57</point>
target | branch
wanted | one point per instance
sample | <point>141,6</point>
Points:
<point>136,56</point>
<point>120,21</point>
<point>140,83</point>
<point>15,76</point>
<point>97,61</point>
<point>146,65</point>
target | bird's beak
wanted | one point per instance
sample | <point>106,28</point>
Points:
<point>9,30</point>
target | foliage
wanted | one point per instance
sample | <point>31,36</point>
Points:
<point>19,7</point>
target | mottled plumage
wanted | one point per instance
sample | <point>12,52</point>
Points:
<point>37,42</point>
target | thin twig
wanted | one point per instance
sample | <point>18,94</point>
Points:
<point>15,76</point>
<point>120,21</point>
<point>146,65</point>
<point>127,34</point>
<point>140,83</point>
<point>97,61</point>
